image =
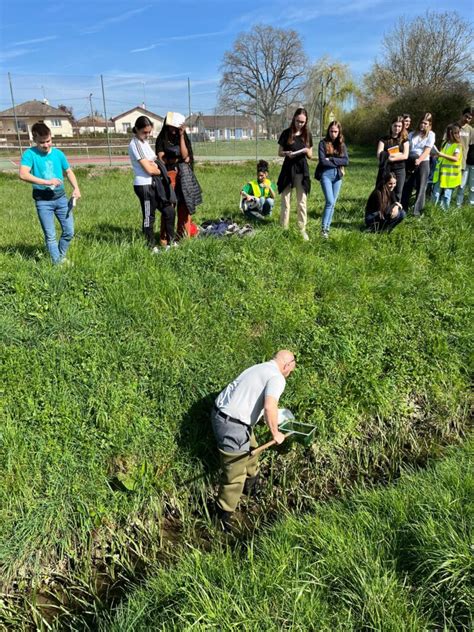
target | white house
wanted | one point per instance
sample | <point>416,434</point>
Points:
<point>124,122</point>
<point>31,112</point>
<point>94,125</point>
<point>221,126</point>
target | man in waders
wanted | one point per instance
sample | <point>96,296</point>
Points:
<point>235,412</point>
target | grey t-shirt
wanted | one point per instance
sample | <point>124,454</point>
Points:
<point>244,398</point>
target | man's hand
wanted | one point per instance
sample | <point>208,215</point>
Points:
<point>55,182</point>
<point>279,437</point>
<point>76,193</point>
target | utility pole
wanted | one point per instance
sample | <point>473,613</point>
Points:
<point>144,95</point>
<point>92,114</point>
<point>189,109</point>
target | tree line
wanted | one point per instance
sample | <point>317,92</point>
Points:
<point>425,64</point>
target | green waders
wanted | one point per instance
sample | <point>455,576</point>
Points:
<point>237,467</point>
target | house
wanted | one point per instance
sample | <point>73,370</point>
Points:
<point>94,125</point>
<point>124,122</point>
<point>221,126</point>
<point>31,112</point>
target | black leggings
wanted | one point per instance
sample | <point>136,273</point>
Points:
<point>149,204</point>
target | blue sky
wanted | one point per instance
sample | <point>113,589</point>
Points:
<point>147,50</point>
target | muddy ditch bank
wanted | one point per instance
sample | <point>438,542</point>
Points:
<point>71,593</point>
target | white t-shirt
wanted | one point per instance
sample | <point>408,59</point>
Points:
<point>244,398</point>
<point>418,144</point>
<point>138,150</point>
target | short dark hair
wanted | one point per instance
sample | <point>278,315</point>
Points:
<point>40,130</point>
<point>262,165</point>
<point>467,110</point>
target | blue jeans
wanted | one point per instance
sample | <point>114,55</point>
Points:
<point>443,196</point>
<point>47,210</point>
<point>331,183</point>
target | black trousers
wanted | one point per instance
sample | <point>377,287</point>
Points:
<point>149,204</point>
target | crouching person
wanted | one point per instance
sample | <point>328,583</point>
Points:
<point>382,211</point>
<point>258,196</point>
<point>236,411</point>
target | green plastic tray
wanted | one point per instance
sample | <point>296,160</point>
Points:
<point>303,433</point>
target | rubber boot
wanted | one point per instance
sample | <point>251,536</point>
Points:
<point>251,486</point>
<point>224,518</point>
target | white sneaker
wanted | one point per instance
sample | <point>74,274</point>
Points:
<point>325,234</point>
<point>155,250</point>
<point>304,234</point>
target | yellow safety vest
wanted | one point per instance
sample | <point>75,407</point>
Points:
<point>449,173</point>
<point>256,188</point>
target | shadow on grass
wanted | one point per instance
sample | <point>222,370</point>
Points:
<point>197,440</point>
<point>27,251</point>
<point>109,233</point>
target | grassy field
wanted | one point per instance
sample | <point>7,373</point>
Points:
<point>109,369</point>
<point>398,559</point>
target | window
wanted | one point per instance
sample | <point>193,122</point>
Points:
<point>56,122</point>
<point>126,127</point>
<point>21,126</point>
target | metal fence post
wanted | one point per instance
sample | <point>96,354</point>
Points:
<point>14,115</point>
<point>106,121</point>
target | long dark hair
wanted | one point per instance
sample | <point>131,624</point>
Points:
<point>385,193</point>
<point>403,134</point>
<point>169,137</point>
<point>141,123</point>
<point>334,147</point>
<point>304,129</point>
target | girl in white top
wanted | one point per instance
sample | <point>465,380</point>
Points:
<point>143,159</point>
<point>418,165</point>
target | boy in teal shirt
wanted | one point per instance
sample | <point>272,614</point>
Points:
<point>44,166</point>
<point>258,196</point>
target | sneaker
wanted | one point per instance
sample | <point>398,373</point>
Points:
<point>305,236</point>
<point>66,263</point>
<point>325,234</point>
<point>155,250</point>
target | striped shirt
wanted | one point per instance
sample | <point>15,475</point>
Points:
<point>138,150</point>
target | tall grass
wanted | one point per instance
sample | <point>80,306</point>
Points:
<point>109,367</point>
<point>395,559</point>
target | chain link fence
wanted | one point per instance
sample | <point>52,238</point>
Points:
<point>92,117</point>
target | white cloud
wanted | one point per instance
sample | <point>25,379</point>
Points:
<point>101,24</point>
<point>36,41</point>
<point>11,54</point>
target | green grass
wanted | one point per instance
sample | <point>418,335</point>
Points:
<point>398,559</point>
<point>109,367</point>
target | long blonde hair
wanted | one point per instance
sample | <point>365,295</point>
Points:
<point>429,119</point>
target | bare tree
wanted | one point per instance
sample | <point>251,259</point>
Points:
<point>263,72</point>
<point>329,85</point>
<point>432,51</point>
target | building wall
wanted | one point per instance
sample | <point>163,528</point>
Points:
<point>58,127</point>
<point>124,124</point>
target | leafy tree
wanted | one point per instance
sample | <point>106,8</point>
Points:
<point>433,51</point>
<point>328,86</point>
<point>263,72</point>
<point>67,109</point>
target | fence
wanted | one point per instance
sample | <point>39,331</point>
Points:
<point>214,136</point>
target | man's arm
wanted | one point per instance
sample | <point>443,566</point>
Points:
<point>270,411</point>
<point>29,177</point>
<point>72,179</point>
